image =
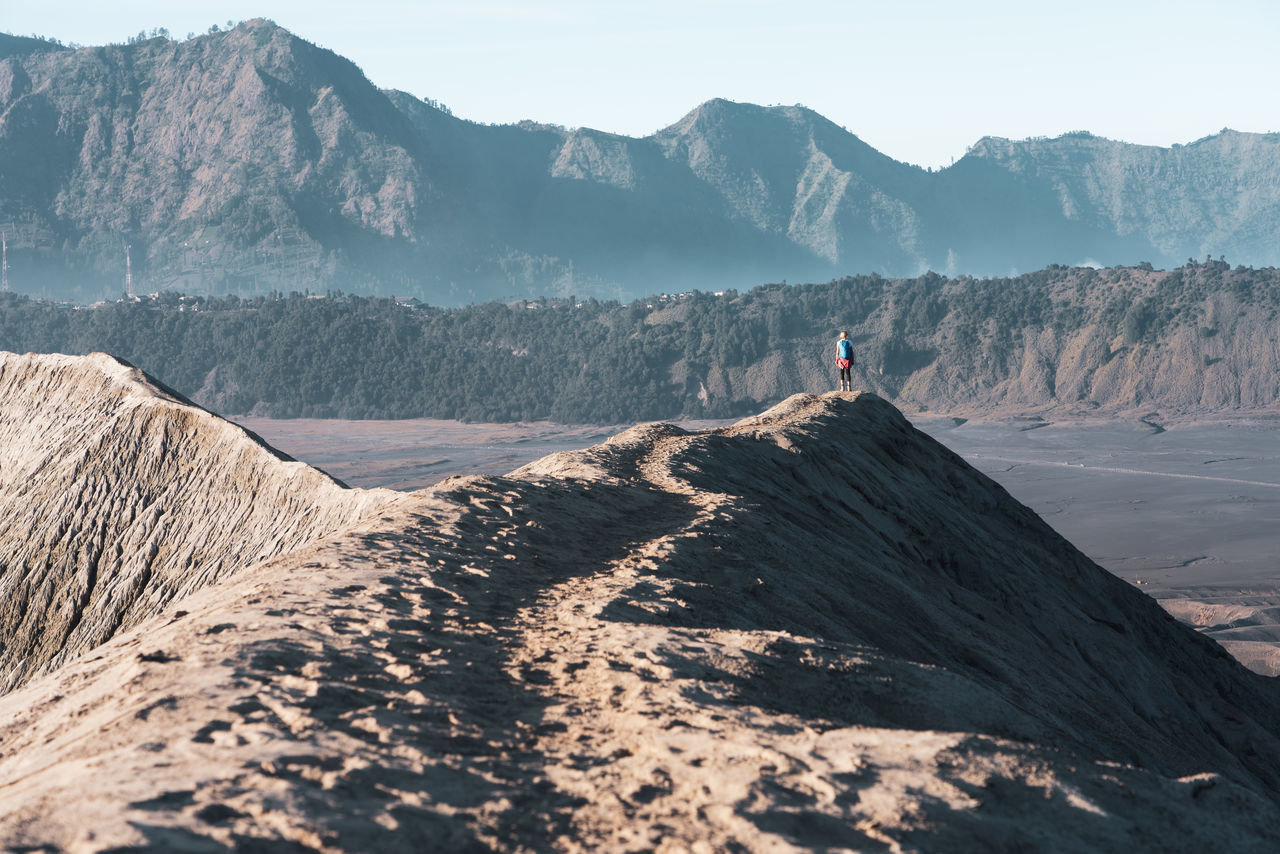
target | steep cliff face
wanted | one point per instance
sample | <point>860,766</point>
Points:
<point>1198,339</point>
<point>789,171</point>
<point>121,497</point>
<point>1093,369</point>
<point>816,628</point>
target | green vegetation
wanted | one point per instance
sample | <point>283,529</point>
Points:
<point>604,362</point>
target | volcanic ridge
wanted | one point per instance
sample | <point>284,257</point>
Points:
<point>816,629</point>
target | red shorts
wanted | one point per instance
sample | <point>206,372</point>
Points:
<point>842,364</point>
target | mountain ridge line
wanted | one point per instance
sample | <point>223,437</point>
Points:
<point>251,160</point>
<point>1059,342</point>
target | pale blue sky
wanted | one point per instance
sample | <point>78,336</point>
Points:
<point>920,81</point>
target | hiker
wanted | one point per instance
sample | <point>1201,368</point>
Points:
<point>844,361</point>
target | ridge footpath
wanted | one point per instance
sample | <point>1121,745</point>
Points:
<point>815,628</point>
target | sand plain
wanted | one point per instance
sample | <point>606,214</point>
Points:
<point>1185,508</point>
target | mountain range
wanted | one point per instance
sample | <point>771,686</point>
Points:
<point>250,160</point>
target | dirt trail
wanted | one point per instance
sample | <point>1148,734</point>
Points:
<point>816,629</point>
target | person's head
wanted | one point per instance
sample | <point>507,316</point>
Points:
<point>844,333</point>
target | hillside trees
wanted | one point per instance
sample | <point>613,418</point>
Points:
<point>930,340</point>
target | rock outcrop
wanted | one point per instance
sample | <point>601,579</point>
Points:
<point>814,629</point>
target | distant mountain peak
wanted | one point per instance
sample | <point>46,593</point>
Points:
<point>297,172</point>
<point>721,109</point>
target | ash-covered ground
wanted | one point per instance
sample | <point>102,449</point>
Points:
<point>1184,508</point>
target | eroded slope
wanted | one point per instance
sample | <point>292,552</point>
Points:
<point>816,629</point>
<point>120,497</point>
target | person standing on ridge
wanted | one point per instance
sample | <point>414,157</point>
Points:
<point>844,361</point>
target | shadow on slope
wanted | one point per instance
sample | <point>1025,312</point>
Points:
<point>833,518</point>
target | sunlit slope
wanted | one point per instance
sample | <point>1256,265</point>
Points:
<point>120,497</point>
<point>835,519</point>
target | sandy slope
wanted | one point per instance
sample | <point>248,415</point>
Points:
<point>816,629</point>
<point>121,496</point>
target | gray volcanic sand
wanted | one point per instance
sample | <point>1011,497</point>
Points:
<point>1186,509</point>
<point>1194,504</point>
<point>417,453</point>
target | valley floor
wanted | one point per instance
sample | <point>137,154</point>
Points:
<point>1186,509</point>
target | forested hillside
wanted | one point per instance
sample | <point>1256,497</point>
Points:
<point>1201,337</point>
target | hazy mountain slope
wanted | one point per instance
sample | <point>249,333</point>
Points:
<point>814,629</point>
<point>990,217</point>
<point>581,210</point>
<point>120,498</point>
<point>1217,195</point>
<point>251,160</point>
<point>272,143</point>
<point>789,171</point>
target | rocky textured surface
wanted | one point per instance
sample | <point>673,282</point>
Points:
<point>816,628</point>
<point>121,497</point>
<point>250,159</point>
